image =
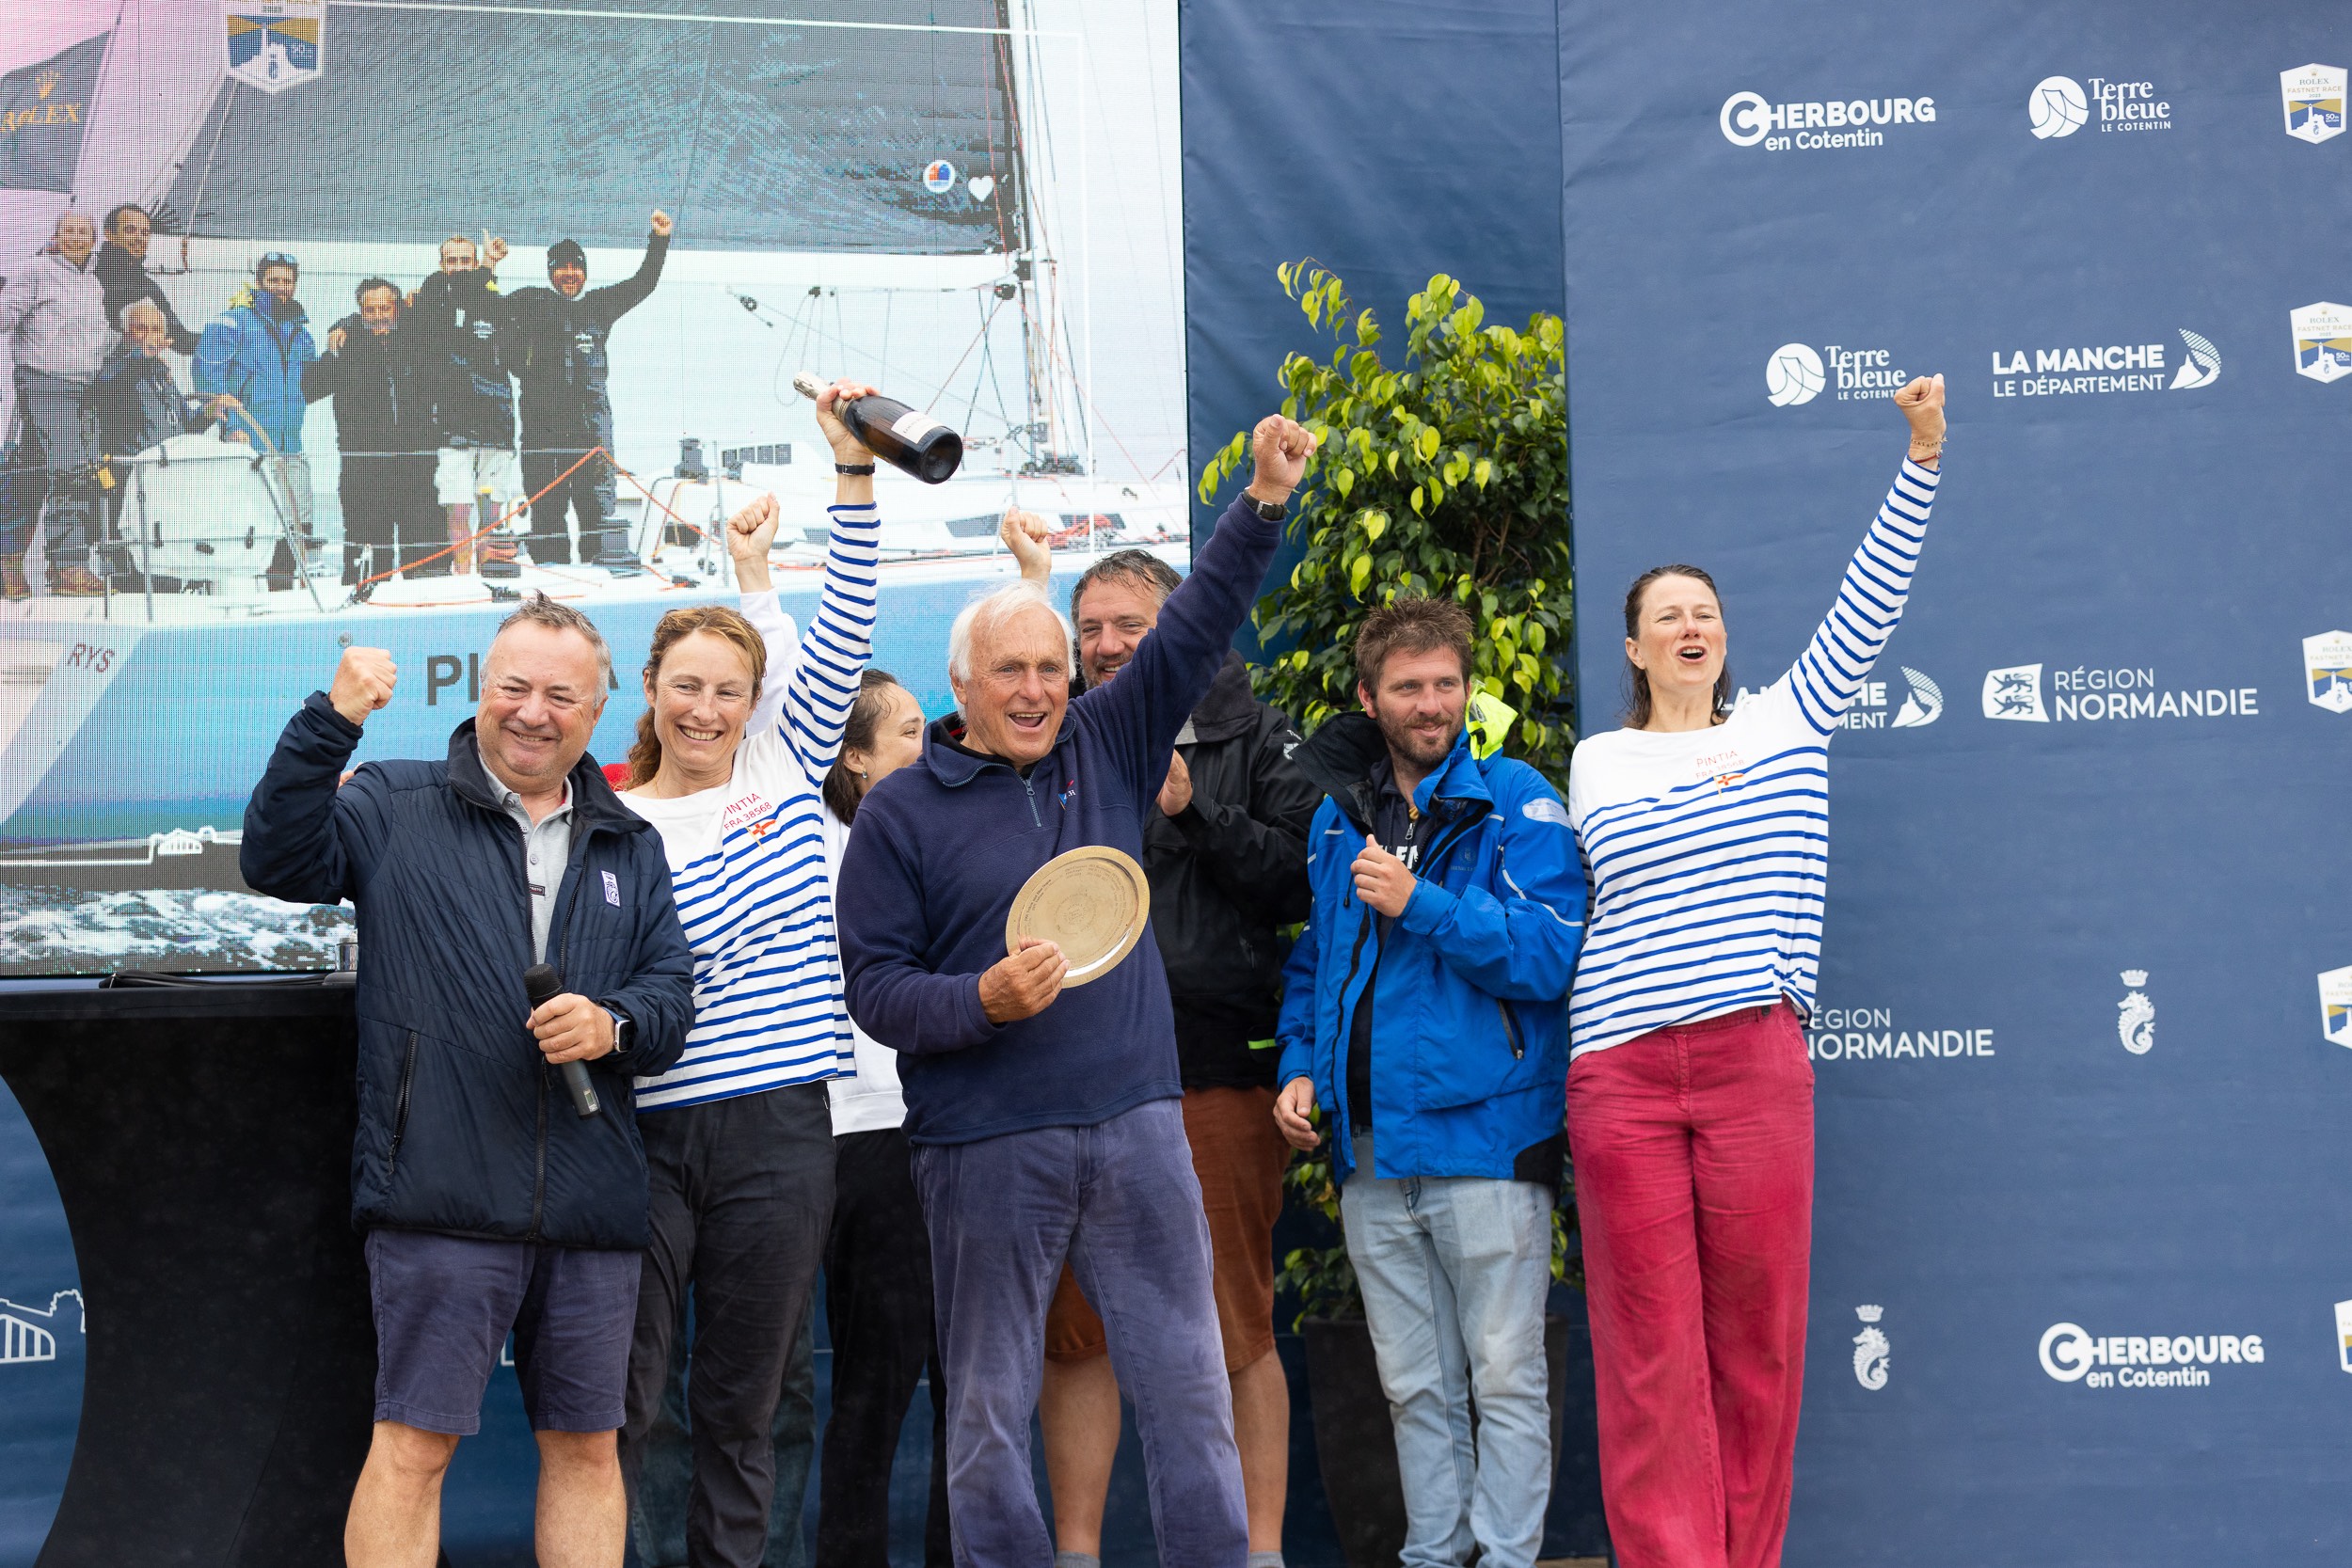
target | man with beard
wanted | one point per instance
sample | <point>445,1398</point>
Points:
<point>561,367</point>
<point>377,372</point>
<point>121,268</point>
<point>463,321</point>
<point>1425,1005</point>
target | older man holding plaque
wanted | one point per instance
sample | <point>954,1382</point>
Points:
<point>1042,1087</point>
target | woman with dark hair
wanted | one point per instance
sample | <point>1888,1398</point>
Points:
<point>1704,830</point>
<point>739,1134</point>
<point>878,1258</point>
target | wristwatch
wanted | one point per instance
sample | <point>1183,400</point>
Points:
<point>1273,511</point>
<point>620,1030</point>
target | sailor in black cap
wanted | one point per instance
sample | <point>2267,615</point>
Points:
<point>565,413</point>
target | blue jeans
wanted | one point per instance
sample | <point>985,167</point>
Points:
<point>1120,1202</point>
<point>1454,1270</point>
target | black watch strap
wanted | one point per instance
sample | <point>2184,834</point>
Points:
<point>853,468</point>
<point>1273,511</point>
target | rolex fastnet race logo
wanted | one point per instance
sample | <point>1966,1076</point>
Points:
<point>2322,341</point>
<point>2090,369</point>
<point>2314,101</point>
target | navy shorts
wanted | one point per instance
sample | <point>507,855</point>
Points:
<point>444,1305</point>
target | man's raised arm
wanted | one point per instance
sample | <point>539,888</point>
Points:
<point>1141,712</point>
<point>305,839</point>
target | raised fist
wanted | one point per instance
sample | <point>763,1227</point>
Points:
<point>752,531</point>
<point>1279,449</point>
<point>1922,404</point>
<point>363,683</point>
<point>1024,534</point>
<point>493,251</point>
<point>661,223</point>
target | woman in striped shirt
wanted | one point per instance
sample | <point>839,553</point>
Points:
<point>1704,832</point>
<point>739,1136</point>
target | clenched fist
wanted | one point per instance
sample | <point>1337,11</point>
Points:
<point>1922,404</point>
<point>1024,534</point>
<point>751,533</point>
<point>752,530</point>
<point>661,224</point>
<point>1279,449</point>
<point>1023,984</point>
<point>363,683</point>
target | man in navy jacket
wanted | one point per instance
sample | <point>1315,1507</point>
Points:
<point>1048,1124</point>
<point>489,1205</point>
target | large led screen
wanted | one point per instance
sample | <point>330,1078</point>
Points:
<point>969,203</point>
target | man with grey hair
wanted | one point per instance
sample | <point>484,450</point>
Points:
<point>53,313</point>
<point>1225,848</point>
<point>1046,1122</point>
<point>489,1205</point>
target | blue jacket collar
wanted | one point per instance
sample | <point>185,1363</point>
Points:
<point>951,765</point>
<point>593,802</point>
<point>1339,758</point>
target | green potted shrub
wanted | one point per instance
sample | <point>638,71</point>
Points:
<point>1445,474</point>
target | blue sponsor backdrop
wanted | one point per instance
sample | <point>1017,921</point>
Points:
<point>2112,919</point>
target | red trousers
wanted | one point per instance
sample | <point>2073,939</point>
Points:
<point>1694,1158</point>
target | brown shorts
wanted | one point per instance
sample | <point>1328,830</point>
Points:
<point>1239,1156</point>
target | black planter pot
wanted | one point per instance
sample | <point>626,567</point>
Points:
<point>1355,1441</point>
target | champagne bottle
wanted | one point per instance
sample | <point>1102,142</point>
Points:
<point>906,439</point>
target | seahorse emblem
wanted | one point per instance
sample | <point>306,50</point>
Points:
<point>2135,1016</point>
<point>1869,1358</point>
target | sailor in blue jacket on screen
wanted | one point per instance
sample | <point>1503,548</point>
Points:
<point>1048,1123</point>
<point>1425,1006</point>
<point>489,1203</point>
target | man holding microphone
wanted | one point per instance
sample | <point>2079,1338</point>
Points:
<point>490,1204</point>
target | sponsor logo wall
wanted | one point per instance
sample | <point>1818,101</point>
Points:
<point>2071,1106</point>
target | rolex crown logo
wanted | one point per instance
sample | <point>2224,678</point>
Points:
<point>2134,977</point>
<point>46,83</point>
<point>1869,1314</point>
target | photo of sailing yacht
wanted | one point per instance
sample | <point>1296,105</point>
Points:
<point>944,199</point>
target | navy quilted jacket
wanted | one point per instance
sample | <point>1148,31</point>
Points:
<point>463,1126</point>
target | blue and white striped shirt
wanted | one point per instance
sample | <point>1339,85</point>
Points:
<point>747,859</point>
<point>1708,850</point>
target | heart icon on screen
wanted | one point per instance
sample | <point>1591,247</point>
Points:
<point>981,186</point>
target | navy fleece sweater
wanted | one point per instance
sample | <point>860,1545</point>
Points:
<point>943,845</point>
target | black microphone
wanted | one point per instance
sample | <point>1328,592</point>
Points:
<point>542,985</point>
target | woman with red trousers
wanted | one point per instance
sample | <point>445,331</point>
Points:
<point>1705,832</point>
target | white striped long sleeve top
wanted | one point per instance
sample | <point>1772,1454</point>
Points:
<point>747,858</point>
<point>1708,850</point>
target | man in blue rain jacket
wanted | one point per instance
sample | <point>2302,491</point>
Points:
<point>1425,1005</point>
